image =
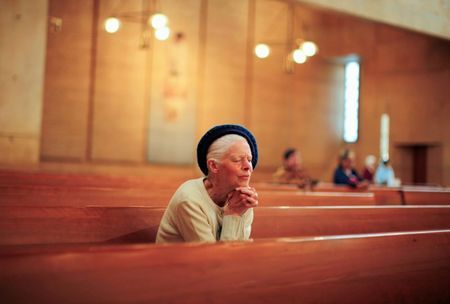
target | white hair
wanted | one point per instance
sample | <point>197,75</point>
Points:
<point>221,145</point>
<point>370,160</point>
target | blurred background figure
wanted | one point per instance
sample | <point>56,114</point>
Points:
<point>292,171</point>
<point>384,175</point>
<point>346,174</point>
<point>369,168</point>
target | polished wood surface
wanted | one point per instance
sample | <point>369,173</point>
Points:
<point>156,195</point>
<point>426,196</point>
<point>384,268</point>
<point>77,196</point>
<point>72,225</point>
<point>383,195</point>
<point>170,178</point>
<point>35,188</point>
<point>300,198</point>
<point>314,221</point>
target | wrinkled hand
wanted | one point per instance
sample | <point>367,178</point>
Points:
<point>240,200</point>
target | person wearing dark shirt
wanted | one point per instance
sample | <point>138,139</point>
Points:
<point>345,174</point>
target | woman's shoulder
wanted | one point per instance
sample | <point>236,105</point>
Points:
<point>188,192</point>
<point>190,185</point>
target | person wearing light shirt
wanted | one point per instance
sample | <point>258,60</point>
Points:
<point>218,206</point>
<point>384,175</point>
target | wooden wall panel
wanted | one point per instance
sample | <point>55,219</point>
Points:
<point>403,74</point>
<point>67,81</point>
<point>407,80</point>
<point>174,86</point>
<point>119,104</point>
<point>319,106</point>
<point>302,109</point>
<point>223,87</point>
<point>22,60</point>
<point>271,105</point>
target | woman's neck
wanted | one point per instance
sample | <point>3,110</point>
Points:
<point>218,195</point>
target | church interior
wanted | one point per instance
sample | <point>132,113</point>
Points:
<point>102,108</point>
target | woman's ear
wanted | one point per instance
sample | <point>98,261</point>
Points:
<point>212,166</point>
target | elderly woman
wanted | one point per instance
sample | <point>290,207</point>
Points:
<point>219,205</point>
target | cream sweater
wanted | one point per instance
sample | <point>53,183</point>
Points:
<point>192,216</point>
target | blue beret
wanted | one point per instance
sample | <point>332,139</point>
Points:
<point>219,131</point>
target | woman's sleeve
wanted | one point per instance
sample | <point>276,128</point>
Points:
<point>193,224</point>
<point>236,227</point>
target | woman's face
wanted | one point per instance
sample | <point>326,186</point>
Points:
<point>235,168</point>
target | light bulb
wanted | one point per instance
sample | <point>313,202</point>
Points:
<point>112,25</point>
<point>158,21</point>
<point>299,56</point>
<point>262,50</point>
<point>162,33</point>
<point>309,48</point>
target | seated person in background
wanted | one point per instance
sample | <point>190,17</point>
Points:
<point>291,172</point>
<point>369,168</point>
<point>384,175</point>
<point>345,174</point>
<point>219,205</point>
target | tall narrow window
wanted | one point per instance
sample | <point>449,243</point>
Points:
<point>351,101</point>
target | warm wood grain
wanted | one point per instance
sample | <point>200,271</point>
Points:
<point>427,196</point>
<point>72,225</point>
<point>408,268</point>
<point>300,198</point>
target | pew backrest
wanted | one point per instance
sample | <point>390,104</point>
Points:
<point>74,225</point>
<point>417,196</point>
<point>310,198</point>
<point>382,268</point>
<point>82,196</point>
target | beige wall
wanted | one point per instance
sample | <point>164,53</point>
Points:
<point>224,64</point>
<point>119,104</point>
<point>22,54</point>
<point>430,17</point>
<point>99,88</point>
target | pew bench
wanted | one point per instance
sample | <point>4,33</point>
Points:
<point>311,198</point>
<point>424,196</point>
<point>77,225</point>
<point>409,267</point>
<point>75,196</point>
<point>41,195</point>
<point>383,195</point>
<point>172,176</point>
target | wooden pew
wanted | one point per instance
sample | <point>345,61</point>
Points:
<point>381,268</point>
<point>75,196</point>
<point>425,196</point>
<point>83,196</point>
<point>160,178</point>
<point>81,190</point>
<point>308,198</point>
<point>71,225</point>
<point>311,221</point>
<point>265,186</point>
<point>383,195</point>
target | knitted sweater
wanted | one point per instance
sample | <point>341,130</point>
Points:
<point>192,216</point>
